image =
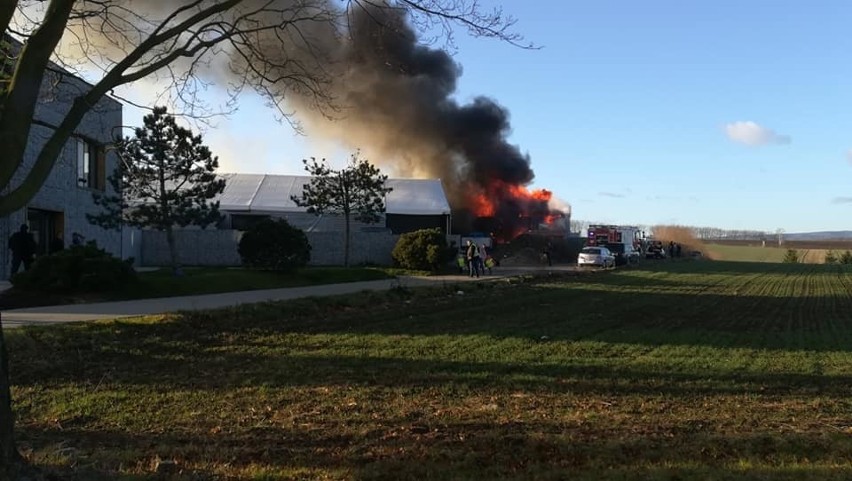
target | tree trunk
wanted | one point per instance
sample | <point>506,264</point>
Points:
<point>166,222</point>
<point>15,117</point>
<point>345,184</point>
<point>346,240</point>
<point>173,253</point>
<point>7,11</point>
<point>20,101</point>
<point>9,457</point>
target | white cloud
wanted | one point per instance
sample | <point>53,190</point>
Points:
<point>754,134</point>
<point>611,194</point>
<point>841,200</point>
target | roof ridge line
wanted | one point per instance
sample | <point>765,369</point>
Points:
<point>256,190</point>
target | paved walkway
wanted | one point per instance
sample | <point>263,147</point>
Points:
<point>112,310</point>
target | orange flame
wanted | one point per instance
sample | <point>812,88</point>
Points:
<point>484,204</point>
<point>514,208</point>
<point>551,218</point>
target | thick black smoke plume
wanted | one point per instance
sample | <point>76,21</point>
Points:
<point>361,77</point>
<point>397,105</point>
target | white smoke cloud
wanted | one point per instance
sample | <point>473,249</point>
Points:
<point>560,205</point>
<point>753,134</point>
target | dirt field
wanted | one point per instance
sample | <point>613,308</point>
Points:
<point>810,252</point>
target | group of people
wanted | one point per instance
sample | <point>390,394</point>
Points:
<point>24,247</point>
<point>674,249</point>
<point>476,259</point>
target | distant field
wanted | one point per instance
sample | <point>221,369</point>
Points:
<point>745,253</point>
<point>837,245</point>
<point>811,252</point>
<point>667,371</point>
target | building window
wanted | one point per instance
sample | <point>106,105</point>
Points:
<point>91,165</point>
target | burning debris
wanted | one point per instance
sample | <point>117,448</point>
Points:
<point>509,210</point>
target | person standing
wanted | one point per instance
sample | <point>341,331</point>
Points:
<point>473,258</point>
<point>546,253</point>
<point>77,239</point>
<point>23,248</point>
<point>483,257</point>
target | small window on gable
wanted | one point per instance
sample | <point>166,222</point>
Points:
<point>91,165</point>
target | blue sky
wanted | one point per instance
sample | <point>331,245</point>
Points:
<point>734,114</point>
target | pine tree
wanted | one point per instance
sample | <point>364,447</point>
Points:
<point>167,178</point>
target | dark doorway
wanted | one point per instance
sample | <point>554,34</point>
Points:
<point>47,227</point>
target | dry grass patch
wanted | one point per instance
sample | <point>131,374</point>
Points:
<point>684,237</point>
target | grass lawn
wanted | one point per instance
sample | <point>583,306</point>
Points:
<point>212,280</point>
<point>207,280</point>
<point>671,371</point>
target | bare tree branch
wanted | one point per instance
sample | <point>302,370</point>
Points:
<point>21,96</point>
<point>275,47</point>
<point>7,11</point>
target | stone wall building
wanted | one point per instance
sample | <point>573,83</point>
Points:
<point>59,209</point>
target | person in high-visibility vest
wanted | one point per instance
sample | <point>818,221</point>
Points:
<point>484,259</point>
<point>462,262</point>
<point>473,258</point>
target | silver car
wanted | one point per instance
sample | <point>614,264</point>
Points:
<point>596,256</point>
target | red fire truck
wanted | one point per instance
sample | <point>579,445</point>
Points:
<point>614,234</point>
<point>624,240</point>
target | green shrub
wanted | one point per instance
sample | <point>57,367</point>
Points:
<point>86,268</point>
<point>791,257</point>
<point>274,245</point>
<point>425,249</point>
<point>846,258</point>
<point>830,257</point>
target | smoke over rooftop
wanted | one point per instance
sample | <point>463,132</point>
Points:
<point>390,96</point>
<point>397,105</point>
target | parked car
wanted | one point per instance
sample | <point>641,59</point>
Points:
<point>596,256</point>
<point>624,254</point>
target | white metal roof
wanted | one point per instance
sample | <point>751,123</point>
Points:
<point>417,197</point>
<point>268,193</point>
<point>239,191</point>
